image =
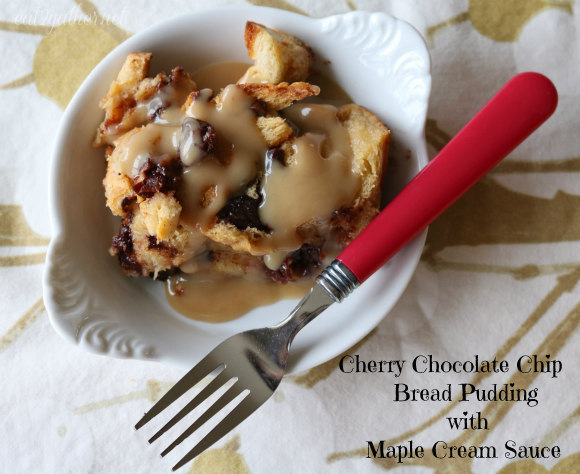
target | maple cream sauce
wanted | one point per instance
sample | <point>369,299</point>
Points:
<point>218,75</point>
<point>292,194</point>
<point>241,142</point>
<point>216,298</point>
<point>150,141</point>
<point>317,180</point>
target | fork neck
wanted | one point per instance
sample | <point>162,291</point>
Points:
<point>334,284</point>
<point>338,281</point>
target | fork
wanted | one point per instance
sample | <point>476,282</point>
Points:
<point>250,365</point>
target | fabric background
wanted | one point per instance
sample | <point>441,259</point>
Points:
<point>498,278</point>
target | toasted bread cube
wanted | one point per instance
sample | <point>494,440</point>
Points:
<point>278,57</point>
<point>141,254</point>
<point>160,215</point>
<point>224,259</point>
<point>120,96</point>
<point>369,140</point>
<point>126,103</point>
<point>250,240</point>
<point>134,69</point>
<point>275,130</point>
<point>118,186</point>
<point>280,96</point>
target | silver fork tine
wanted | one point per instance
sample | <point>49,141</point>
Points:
<point>208,390</point>
<point>246,407</point>
<point>253,365</point>
<point>220,403</point>
<point>190,379</point>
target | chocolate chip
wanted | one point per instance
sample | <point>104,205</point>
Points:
<point>127,202</point>
<point>259,107</point>
<point>122,247</point>
<point>158,177</point>
<point>168,250</point>
<point>153,244</point>
<point>123,241</point>
<point>298,264</point>
<point>242,212</point>
<point>208,136</point>
<point>275,153</point>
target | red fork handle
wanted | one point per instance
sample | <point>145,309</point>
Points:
<point>520,107</point>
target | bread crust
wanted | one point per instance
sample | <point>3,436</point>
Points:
<point>279,96</point>
<point>131,88</point>
<point>278,57</point>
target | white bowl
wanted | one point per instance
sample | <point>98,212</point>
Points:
<point>380,61</point>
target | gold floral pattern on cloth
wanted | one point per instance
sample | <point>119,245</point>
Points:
<point>62,61</point>
<point>507,250</point>
<point>65,55</point>
<point>221,460</point>
<point>498,19</point>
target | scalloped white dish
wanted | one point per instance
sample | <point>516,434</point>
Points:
<point>380,61</point>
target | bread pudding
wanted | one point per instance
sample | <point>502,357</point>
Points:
<point>254,181</point>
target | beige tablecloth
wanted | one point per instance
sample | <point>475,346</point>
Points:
<point>498,278</point>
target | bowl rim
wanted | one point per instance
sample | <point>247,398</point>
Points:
<point>57,206</point>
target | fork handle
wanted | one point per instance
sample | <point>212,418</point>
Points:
<point>520,107</point>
